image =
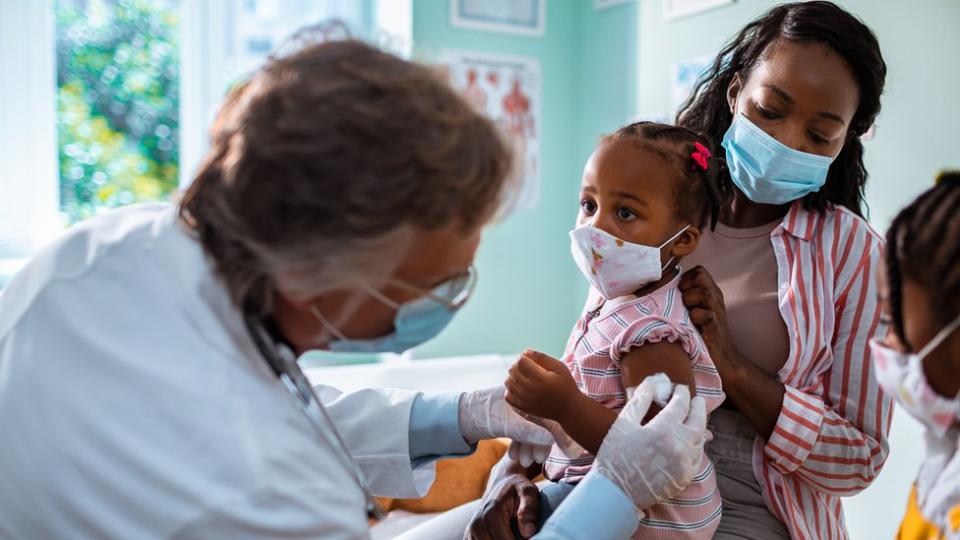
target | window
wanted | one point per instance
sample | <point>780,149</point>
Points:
<point>114,97</point>
<point>118,85</point>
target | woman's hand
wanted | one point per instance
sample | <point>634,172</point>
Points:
<point>704,300</point>
<point>757,395</point>
<point>512,499</point>
<point>542,386</point>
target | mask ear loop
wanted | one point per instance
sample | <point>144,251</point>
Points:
<point>939,338</point>
<point>667,241</point>
<point>382,297</point>
<point>350,307</point>
<point>327,325</point>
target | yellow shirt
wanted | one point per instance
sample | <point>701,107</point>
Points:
<point>916,527</point>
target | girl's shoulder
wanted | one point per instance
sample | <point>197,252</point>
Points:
<point>664,304</point>
<point>653,317</point>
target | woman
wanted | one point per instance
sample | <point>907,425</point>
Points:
<point>148,377</point>
<point>784,290</point>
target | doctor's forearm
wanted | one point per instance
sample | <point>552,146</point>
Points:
<point>435,428</point>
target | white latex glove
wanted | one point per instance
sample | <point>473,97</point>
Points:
<point>527,454</point>
<point>654,462</point>
<point>484,414</point>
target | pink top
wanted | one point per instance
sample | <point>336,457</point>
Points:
<point>744,265</point>
<point>594,354</point>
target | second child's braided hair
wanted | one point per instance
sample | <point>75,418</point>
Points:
<point>923,246</point>
<point>695,167</point>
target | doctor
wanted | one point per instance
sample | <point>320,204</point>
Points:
<point>148,382</point>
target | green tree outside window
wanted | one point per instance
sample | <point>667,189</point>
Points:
<point>118,73</point>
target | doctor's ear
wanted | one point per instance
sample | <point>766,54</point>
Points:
<point>686,242</point>
<point>733,92</point>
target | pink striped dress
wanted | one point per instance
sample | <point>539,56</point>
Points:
<point>594,353</point>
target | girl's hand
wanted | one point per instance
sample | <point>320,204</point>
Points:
<point>541,386</point>
<point>704,299</point>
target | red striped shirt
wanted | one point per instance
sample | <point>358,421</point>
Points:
<point>831,437</point>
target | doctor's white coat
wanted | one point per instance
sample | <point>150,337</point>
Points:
<point>134,405</point>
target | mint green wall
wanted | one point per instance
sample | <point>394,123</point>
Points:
<point>526,296</point>
<point>607,69</point>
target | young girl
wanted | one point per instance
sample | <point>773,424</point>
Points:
<point>647,191</point>
<point>919,361</point>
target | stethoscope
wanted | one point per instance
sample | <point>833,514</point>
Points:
<point>284,365</point>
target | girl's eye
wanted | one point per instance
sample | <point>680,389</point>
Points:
<point>767,113</point>
<point>625,213</point>
<point>818,139</point>
<point>588,207</point>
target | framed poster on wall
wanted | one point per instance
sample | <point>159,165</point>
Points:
<point>674,9</point>
<point>524,17</point>
<point>508,89</point>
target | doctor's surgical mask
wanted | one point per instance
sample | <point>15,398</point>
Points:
<point>415,322</point>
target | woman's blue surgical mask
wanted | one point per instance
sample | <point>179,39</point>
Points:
<point>768,171</point>
<point>415,322</point>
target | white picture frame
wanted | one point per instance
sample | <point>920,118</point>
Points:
<point>675,9</point>
<point>521,17</point>
<point>600,5</point>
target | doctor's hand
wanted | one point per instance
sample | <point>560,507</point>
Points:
<point>485,414</point>
<point>654,462</point>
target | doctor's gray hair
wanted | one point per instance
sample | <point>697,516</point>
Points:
<point>326,161</point>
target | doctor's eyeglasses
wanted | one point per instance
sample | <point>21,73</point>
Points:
<point>452,293</point>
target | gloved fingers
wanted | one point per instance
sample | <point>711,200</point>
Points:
<point>513,451</point>
<point>526,455</point>
<point>526,428</point>
<point>540,453</point>
<point>636,409</point>
<point>567,445</point>
<point>697,419</point>
<point>675,413</point>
